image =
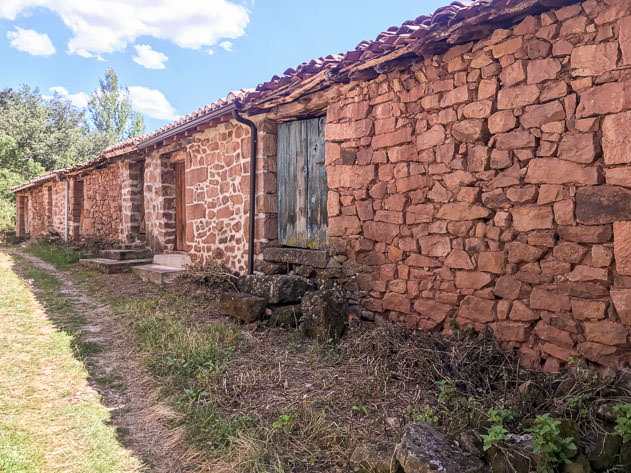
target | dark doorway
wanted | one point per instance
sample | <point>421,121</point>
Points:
<point>77,209</point>
<point>49,208</point>
<point>23,213</point>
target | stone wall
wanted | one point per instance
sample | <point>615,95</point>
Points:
<point>218,193</point>
<point>45,210</point>
<point>488,187</point>
<point>217,172</point>
<point>102,215</point>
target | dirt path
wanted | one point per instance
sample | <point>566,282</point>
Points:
<point>128,390</point>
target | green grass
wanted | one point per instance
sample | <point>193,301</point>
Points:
<point>187,358</point>
<point>58,307</point>
<point>56,253</point>
<point>50,419</point>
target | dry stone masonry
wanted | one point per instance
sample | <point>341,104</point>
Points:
<point>490,186</point>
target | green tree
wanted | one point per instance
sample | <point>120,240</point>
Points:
<point>111,111</point>
<point>51,132</point>
<point>13,171</point>
<point>38,135</point>
<point>23,117</point>
<point>137,127</point>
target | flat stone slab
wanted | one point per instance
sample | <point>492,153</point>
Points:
<point>126,254</point>
<point>106,265</point>
<point>173,260</point>
<point>315,258</point>
<point>276,288</point>
<point>157,274</point>
<point>424,449</point>
<point>245,307</point>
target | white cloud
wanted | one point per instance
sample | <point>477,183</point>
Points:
<point>227,45</point>
<point>30,41</point>
<point>80,99</point>
<point>151,102</point>
<point>147,57</point>
<point>106,26</point>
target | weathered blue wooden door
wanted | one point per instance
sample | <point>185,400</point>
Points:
<point>302,185</point>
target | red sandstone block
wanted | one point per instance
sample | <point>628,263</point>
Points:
<point>350,176</point>
<point>594,59</point>
<point>387,140</point>
<point>344,225</point>
<point>397,302</point>
<point>597,352</point>
<point>380,231</point>
<point>407,184</point>
<point>554,335</point>
<point>348,130</point>
<point>606,332</point>
<point>477,310</point>
<point>422,213</point>
<point>511,331</point>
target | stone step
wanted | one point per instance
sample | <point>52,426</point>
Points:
<point>172,260</point>
<point>315,258</point>
<point>106,265</point>
<point>126,254</point>
<point>157,274</point>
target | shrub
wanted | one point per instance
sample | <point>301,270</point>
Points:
<point>497,433</point>
<point>623,421</point>
<point>547,439</point>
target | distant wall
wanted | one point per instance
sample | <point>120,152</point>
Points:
<point>102,215</point>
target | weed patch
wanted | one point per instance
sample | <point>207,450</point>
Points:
<point>57,253</point>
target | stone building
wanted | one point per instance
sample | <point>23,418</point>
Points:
<point>469,168</point>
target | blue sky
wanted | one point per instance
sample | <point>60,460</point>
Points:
<point>211,46</point>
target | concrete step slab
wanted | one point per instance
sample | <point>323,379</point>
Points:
<point>172,260</point>
<point>157,274</point>
<point>106,265</point>
<point>126,254</point>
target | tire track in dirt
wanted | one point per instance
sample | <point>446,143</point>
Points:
<point>131,395</point>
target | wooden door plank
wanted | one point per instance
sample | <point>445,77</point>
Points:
<point>299,150</point>
<point>302,189</point>
<point>318,188</point>
<point>286,184</point>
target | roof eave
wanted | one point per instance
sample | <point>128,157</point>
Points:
<point>211,115</point>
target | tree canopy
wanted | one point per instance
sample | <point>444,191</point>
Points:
<point>111,111</point>
<point>39,134</point>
